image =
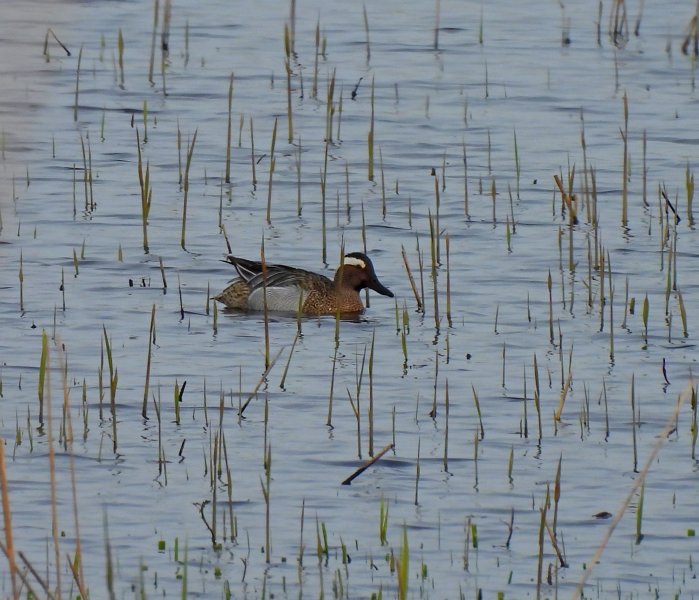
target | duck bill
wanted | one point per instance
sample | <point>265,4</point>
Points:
<point>376,285</point>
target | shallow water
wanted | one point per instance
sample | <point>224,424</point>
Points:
<point>429,104</point>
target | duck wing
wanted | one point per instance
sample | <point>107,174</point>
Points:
<point>286,286</point>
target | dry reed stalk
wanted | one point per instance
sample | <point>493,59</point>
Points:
<point>366,465</point>
<point>670,425</point>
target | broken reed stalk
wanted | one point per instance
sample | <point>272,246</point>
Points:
<point>228,136</point>
<point>367,464</point>
<point>262,380</point>
<point>370,138</point>
<point>272,164</point>
<point>190,152</point>
<point>146,193</point>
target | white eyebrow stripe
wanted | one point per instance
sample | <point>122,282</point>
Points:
<point>354,262</point>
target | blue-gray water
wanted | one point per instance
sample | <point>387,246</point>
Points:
<point>521,83</point>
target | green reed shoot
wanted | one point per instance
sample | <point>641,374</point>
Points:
<point>625,174</point>
<point>370,414</point>
<point>328,422</point>
<point>314,91</point>
<point>510,465</point>
<point>357,416</point>
<point>562,398</point>
<point>179,153</point>
<point>433,256</point>
<point>639,513</point>
<point>465,159</point>
<point>383,185</point>
<point>694,429</point>
<point>43,366</point>
<point>21,282</point>
<point>518,168</point>
<point>297,160</point>
<point>339,116</point>
<point>476,442</point>
<point>644,316</point>
<point>557,493</point>
<point>190,152</point>
<point>633,422</point>
<point>416,293</point>
<point>264,301</point>
<point>611,308</point>
<point>537,397</point>
<point>266,495</point>
<point>478,412</point>
<point>146,193</point>
<point>689,186</point>
<point>120,51</point>
<point>383,521</point>
<point>151,341</point>
<point>330,109</point>
<point>322,548</point>
<point>288,362</point>
<point>417,472</point>
<point>683,313</point>
<point>77,85</point>
<point>370,138</point>
<point>403,566</point>
<point>366,30</point>
<point>252,153</point>
<point>287,68</point>
<point>151,62</point>
<point>228,130</point>
<point>272,164</point>
<point>549,285</point>
<point>405,330</point>
<point>445,460</point>
<point>323,215</point>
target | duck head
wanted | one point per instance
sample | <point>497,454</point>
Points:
<point>357,272</point>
